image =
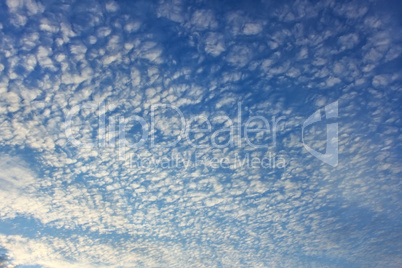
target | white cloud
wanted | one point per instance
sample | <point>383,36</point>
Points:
<point>203,20</point>
<point>14,4</point>
<point>78,49</point>
<point>171,9</point>
<point>381,80</point>
<point>214,44</point>
<point>103,31</point>
<point>348,41</point>
<point>132,26</point>
<point>46,25</point>
<point>239,56</point>
<point>129,64</point>
<point>32,6</point>
<point>252,28</point>
<point>111,6</point>
<point>14,174</point>
<point>331,81</point>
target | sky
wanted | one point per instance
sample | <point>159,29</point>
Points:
<point>200,133</point>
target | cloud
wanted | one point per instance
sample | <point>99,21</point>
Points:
<point>239,56</point>
<point>171,9</point>
<point>203,20</point>
<point>348,41</point>
<point>86,206</point>
<point>111,6</point>
<point>252,28</point>
<point>214,44</point>
<point>14,174</point>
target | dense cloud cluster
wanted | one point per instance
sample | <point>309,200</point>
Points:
<point>101,63</point>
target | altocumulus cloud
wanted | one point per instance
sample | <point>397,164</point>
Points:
<point>87,72</point>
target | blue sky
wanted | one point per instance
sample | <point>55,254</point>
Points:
<point>200,133</point>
